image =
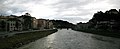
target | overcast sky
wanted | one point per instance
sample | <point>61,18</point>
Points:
<point>73,11</point>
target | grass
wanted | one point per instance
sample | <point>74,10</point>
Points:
<point>23,38</point>
<point>101,32</point>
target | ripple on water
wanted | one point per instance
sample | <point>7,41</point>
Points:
<point>69,39</point>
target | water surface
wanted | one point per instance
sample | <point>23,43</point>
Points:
<point>69,39</point>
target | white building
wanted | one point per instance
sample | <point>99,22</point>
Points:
<point>14,24</point>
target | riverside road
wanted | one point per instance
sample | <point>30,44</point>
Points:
<point>69,39</point>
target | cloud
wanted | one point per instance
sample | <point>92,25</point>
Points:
<point>80,7</point>
<point>115,3</point>
<point>8,7</point>
<point>72,19</point>
<point>70,10</point>
<point>75,19</point>
<point>71,3</point>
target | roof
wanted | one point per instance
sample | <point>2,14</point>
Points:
<point>13,19</point>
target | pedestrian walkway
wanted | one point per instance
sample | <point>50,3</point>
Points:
<point>8,34</point>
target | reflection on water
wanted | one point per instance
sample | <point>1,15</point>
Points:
<point>50,40</point>
<point>69,39</point>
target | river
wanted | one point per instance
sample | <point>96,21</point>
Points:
<point>69,39</point>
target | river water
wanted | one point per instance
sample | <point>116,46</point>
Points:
<point>69,39</point>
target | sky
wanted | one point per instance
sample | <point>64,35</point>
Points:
<point>73,11</point>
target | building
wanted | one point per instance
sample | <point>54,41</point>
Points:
<point>3,24</point>
<point>106,21</point>
<point>113,11</point>
<point>14,24</point>
<point>27,21</point>
<point>50,24</point>
<point>10,23</point>
<point>23,22</point>
<point>34,23</point>
<point>112,24</point>
<point>41,23</point>
<point>82,25</point>
<point>44,24</point>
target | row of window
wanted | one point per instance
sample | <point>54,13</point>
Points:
<point>13,28</point>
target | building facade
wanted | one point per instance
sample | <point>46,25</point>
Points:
<point>41,23</point>
<point>23,22</point>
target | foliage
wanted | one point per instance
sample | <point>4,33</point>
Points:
<point>109,16</point>
<point>62,24</point>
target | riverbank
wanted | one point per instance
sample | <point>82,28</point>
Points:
<point>8,34</point>
<point>100,32</point>
<point>20,39</point>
